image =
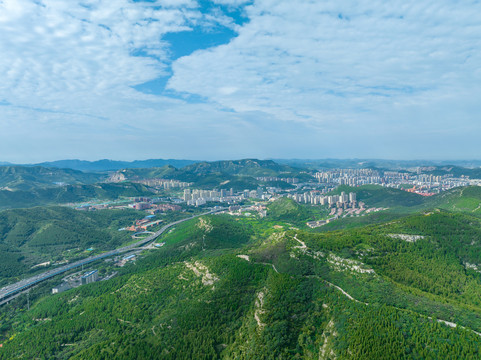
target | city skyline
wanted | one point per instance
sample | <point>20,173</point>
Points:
<point>232,79</point>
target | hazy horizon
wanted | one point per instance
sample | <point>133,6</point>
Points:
<point>246,158</point>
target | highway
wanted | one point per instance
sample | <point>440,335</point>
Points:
<point>10,290</point>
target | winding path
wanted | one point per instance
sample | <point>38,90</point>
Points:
<point>350,297</point>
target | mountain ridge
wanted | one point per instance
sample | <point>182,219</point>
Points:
<point>15,177</point>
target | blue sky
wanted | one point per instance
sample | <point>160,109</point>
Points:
<point>220,79</point>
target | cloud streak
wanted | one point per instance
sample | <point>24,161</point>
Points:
<point>330,61</point>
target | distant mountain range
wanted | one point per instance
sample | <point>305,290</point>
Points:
<point>69,194</point>
<point>30,177</point>
<point>113,165</point>
<point>106,164</point>
<point>457,171</point>
<point>23,186</point>
<point>374,163</point>
<point>238,174</point>
<point>191,172</point>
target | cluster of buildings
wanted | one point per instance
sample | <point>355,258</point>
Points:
<point>197,197</point>
<point>413,180</point>
<point>164,184</point>
<point>89,277</point>
<point>316,198</point>
<point>237,210</point>
<point>337,213</point>
<point>351,177</point>
<point>427,184</point>
<point>137,203</point>
<point>152,206</point>
<point>273,179</point>
<point>143,224</point>
<point>76,280</point>
<point>126,259</point>
<point>158,208</point>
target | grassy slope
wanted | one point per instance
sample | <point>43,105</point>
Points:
<point>458,199</point>
<point>467,199</point>
<point>378,196</point>
<point>285,209</point>
<point>401,203</point>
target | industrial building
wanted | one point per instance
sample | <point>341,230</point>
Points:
<point>90,277</point>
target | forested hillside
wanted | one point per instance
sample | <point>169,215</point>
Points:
<point>238,174</point>
<point>462,199</point>
<point>246,288</point>
<point>374,195</point>
<point>285,209</point>
<point>250,167</point>
<point>69,194</point>
<point>32,177</point>
<point>32,236</point>
<point>466,199</point>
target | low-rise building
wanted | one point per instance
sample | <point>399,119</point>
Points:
<point>61,288</point>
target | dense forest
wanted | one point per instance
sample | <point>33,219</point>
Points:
<point>228,287</point>
<point>31,177</point>
<point>69,194</point>
<point>51,234</point>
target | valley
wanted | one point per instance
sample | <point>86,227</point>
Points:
<point>241,277</point>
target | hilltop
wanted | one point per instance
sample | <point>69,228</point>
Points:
<point>113,165</point>
<point>400,203</point>
<point>248,167</point>
<point>164,172</point>
<point>285,209</point>
<point>26,178</point>
<point>457,171</point>
<point>458,199</point>
<point>238,174</point>
<point>70,194</point>
<point>465,199</point>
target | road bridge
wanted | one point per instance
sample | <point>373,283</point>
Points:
<point>8,292</point>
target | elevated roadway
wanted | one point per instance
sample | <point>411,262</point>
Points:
<point>8,292</point>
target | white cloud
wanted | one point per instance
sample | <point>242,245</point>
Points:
<point>61,55</point>
<point>327,61</point>
<point>303,78</point>
<point>232,2</point>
